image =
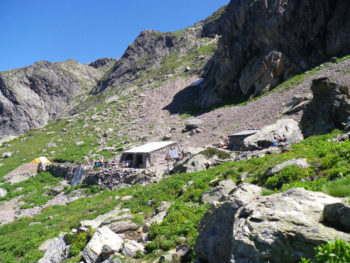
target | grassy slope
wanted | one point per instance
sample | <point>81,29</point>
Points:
<point>19,241</point>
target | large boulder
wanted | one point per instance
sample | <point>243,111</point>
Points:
<point>193,123</point>
<point>219,192</point>
<point>103,237</point>
<point>108,218</point>
<point>337,215</point>
<point>283,132</point>
<point>22,173</point>
<point>329,108</point>
<point>278,228</point>
<point>55,250</point>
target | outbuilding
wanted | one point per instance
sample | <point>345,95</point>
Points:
<point>236,139</point>
<point>148,154</point>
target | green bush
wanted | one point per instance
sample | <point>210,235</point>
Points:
<point>337,251</point>
<point>211,152</point>
<point>150,247</point>
<point>78,241</point>
<point>166,245</point>
<point>287,175</point>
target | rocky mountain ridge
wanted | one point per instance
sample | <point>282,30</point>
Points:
<point>266,42</point>
<point>31,96</point>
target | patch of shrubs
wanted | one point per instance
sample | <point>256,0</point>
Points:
<point>287,175</point>
<point>211,152</point>
<point>78,241</point>
<point>332,252</point>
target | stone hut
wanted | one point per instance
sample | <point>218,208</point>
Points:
<point>236,139</point>
<point>147,155</point>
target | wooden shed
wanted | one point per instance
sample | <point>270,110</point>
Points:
<point>147,155</point>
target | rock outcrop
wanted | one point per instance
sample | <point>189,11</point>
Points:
<point>283,132</point>
<point>278,228</point>
<point>103,237</point>
<point>329,108</point>
<point>265,42</point>
<point>31,96</point>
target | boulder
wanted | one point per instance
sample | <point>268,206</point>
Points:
<point>281,227</point>
<point>219,193</point>
<point>131,247</point>
<point>329,108</point>
<point>122,226</point>
<point>6,154</point>
<point>193,123</point>
<point>22,173</point>
<point>101,238</point>
<point>193,163</point>
<point>158,216</point>
<point>338,216</point>
<point>302,163</point>
<point>114,215</point>
<point>283,132</point>
<point>3,192</point>
<point>55,251</point>
<point>297,103</point>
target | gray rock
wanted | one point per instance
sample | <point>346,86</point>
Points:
<point>51,145</point>
<point>3,192</point>
<point>283,131</point>
<point>219,193</point>
<point>114,215</point>
<point>338,216</point>
<point>302,163</point>
<point>102,237</point>
<point>123,226</point>
<point>297,103</point>
<point>329,108</point>
<point>193,163</point>
<point>131,247</point>
<point>55,250</point>
<point>7,154</point>
<point>252,228</point>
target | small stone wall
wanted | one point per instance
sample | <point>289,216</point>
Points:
<point>111,178</point>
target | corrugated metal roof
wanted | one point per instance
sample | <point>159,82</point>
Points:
<point>243,133</point>
<point>151,147</point>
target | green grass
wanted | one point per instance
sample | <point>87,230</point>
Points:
<point>339,187</point>
<point>211,152</point>
<point>19,241</point>
<point>33,189</point>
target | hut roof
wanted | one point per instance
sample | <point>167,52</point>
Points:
<point>244,133</point>
<point>151,147</point>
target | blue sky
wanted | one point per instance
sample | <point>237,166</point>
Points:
<point>85,30</point>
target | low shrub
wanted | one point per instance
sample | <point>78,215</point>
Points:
<point>78,241</point>
<point>287,175</point>
<point>211,152</point>
<point>337,251</point>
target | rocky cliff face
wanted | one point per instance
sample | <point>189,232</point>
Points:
<point>266,41</point>
<point>31,96</point>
